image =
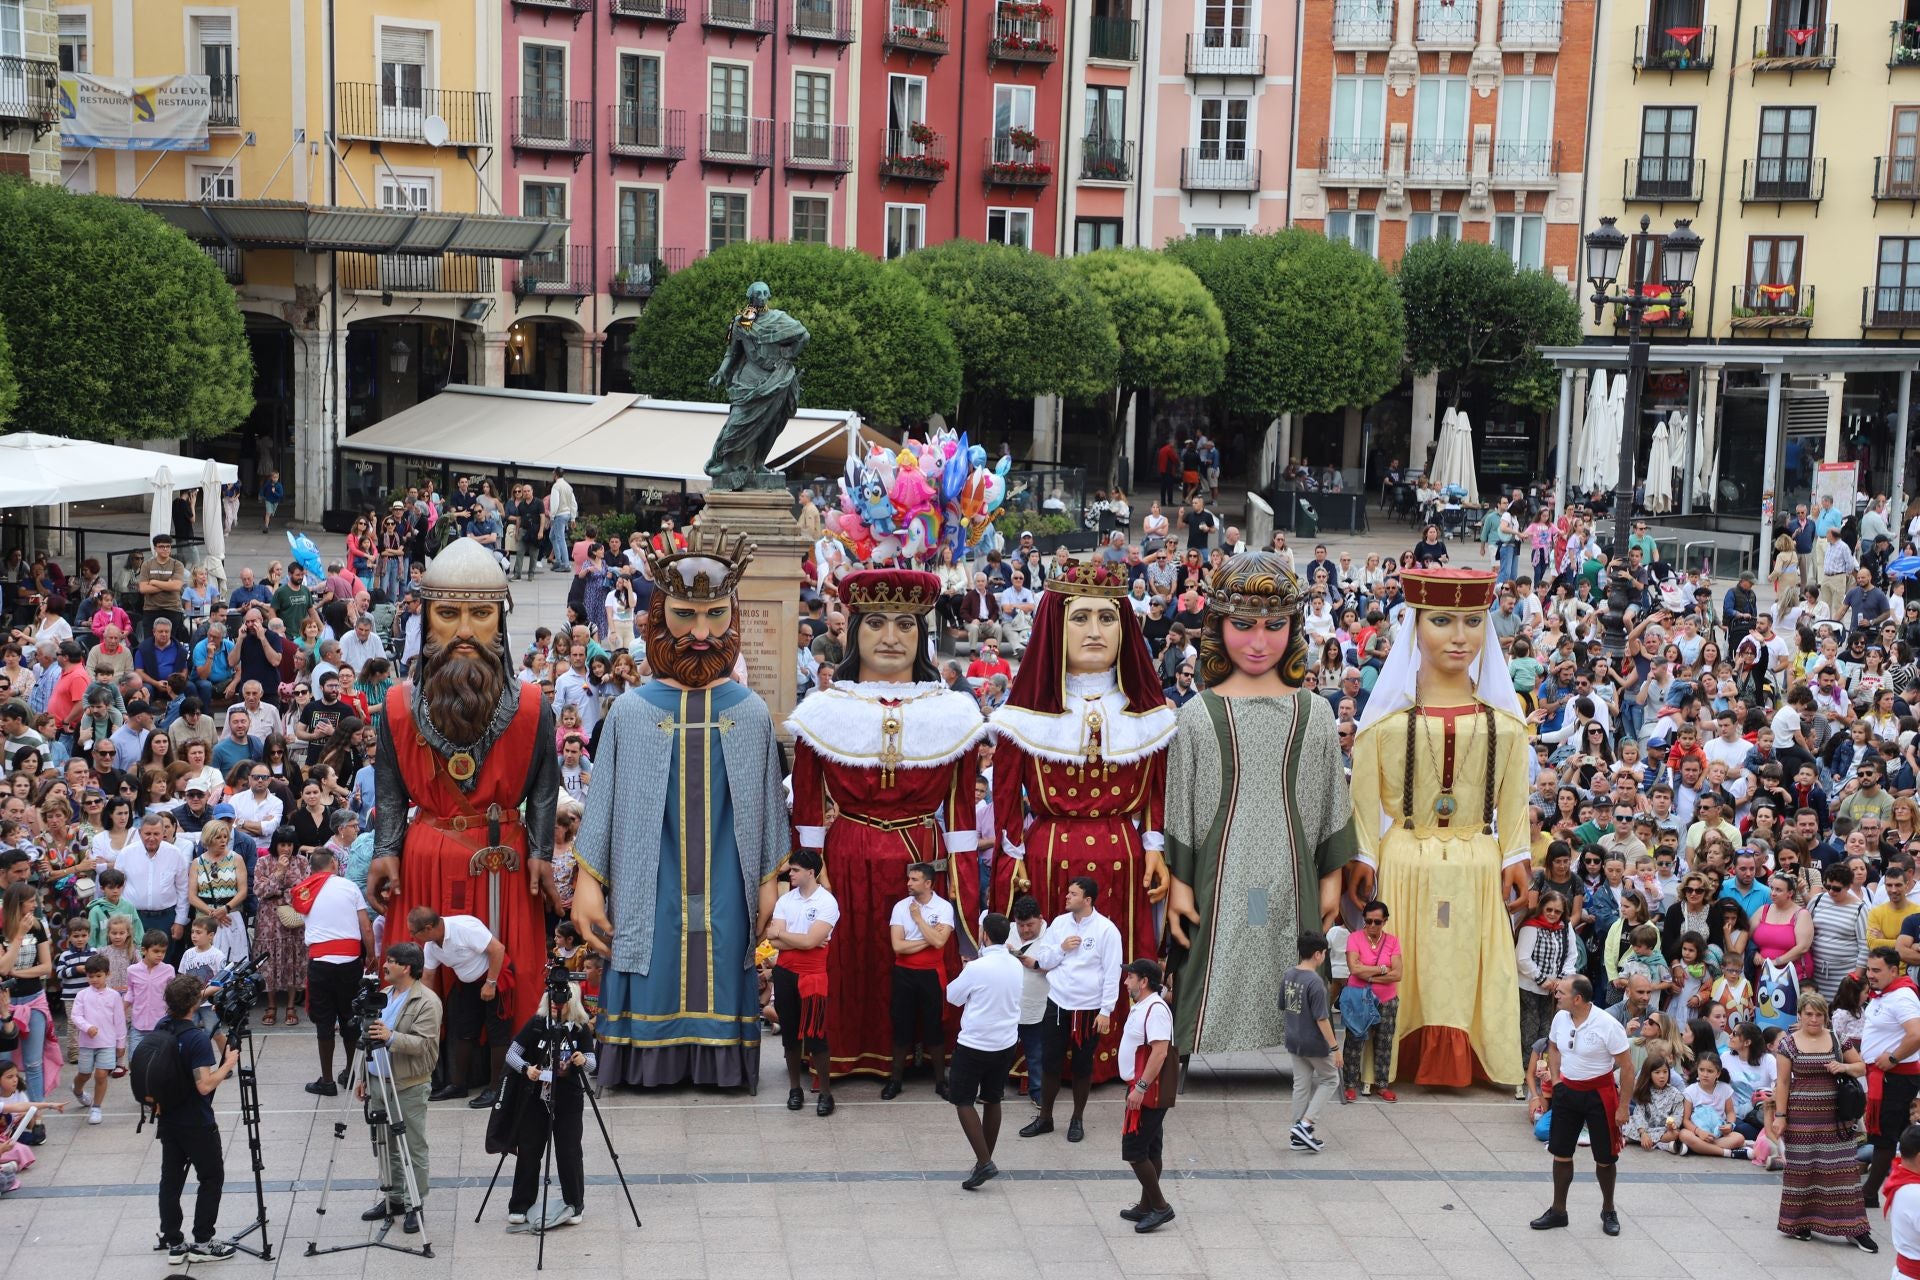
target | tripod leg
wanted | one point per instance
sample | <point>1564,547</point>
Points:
<point>490,1185</point>
<point>593,1100</point>
<point>546,1183</point>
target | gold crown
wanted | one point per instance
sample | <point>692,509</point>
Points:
<point>1254,584</point>
<point>713,562</point>
<point>890,591</point>
<point>1086,578</point>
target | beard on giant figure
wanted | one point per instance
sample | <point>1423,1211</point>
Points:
<point>467,779</point>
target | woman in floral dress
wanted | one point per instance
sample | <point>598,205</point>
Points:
<point>1820,1191</point>
<point>276,873</point>
<point>217,888</point>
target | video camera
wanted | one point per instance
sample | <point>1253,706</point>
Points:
<point>560,980</point>
<point>241,985</point>
<point>369,1002</point>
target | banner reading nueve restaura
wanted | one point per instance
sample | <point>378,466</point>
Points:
<point>150,113</point>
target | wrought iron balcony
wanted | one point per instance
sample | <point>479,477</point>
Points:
<point>1011,164</point>
<point>1674,49</point>
<point>1353,161</point>
<point>1890,306</point>
<point>1106,160</point>
<point>411,273</point>
<point>1783,180</point>
<point>912,158</point>
<point>1114,39</point>
<point>566,272</point>
<point>1530,24</point>
<point>746,141</point>
<point>916,28</point>
<point>1453,23</point>
<point>542,123</point>
<point>636,270</point>
<point>1027,37</point>
<point>1896,178</point>
<point>1438,162</point>
<point>828,21</point>
<point>29,94</point>
<point>1664,180</point>
<point>1533,163</point>
<point>818,148</point>
<point>230,259</point>
<point>754,17</point>
<point>224,109</point>
<point>391,113</point>
<point>647,133</point>
<point>1208,169</point>
<point>1772,306</point>
<point>1795,48</point>
<point>645,11</point>
<point>564,6</point>
<point>1362,24</point>
<point>1218,51</point>
<point>1904,49</point>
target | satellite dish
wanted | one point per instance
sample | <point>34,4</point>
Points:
<point>434,130</point>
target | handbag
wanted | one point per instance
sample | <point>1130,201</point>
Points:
<point>1849,1095</point>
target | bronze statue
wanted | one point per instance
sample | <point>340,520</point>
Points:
<point>764,388</point>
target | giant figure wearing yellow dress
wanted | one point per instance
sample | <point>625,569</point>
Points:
<point>1440,806</point>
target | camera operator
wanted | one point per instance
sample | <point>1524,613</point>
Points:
<point>408,1033</point>
<point>475,999</point>
<point>339,942</point>
<point>189,1134</point>
<point>541,1040</point>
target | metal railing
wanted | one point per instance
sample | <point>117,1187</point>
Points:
<point>1023,40</point>
<point>552,124</point>
<point>1530,24</point>
<point>1012,165</point>
<point>1437,22</point>
<point>411,273</point>
<point>636,270</point>
<point>1218,51</point>
<point>1783,180</point>
<point>1440,160</point>
<point>738,15</point>
<point>649,10</point>
<point>566,272</point>
<point>1903,50</point>
<point>1362,24</point>
<point>830,20</point>
<point>230,259</point>
<point>1777,305</point>
<point>1106,159</point>
<point>1535,162</point>
<point>1665,180</point>
<point>1115,39</point>
<point>1799,44</point>
<point>1658,49</point>
<point>1217,172</point>
<point>1353,160</point>
<point>913,28</point>
<point>912,161</point>
<point>382,114</point>
<point>1896,177</point>
<point>29,90</point>
<point>223,111</point>
<point>566,6</point>
<point>1890,306</point>
<point>823,148</point>
<point>741,140</point>
<point>647,133</point>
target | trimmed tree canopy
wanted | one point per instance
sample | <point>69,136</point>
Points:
<point>120,326</point>
<point>9,385</point>
<point>877,345</point>
<point>1476,321</point>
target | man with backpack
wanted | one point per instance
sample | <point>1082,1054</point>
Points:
<point>175,1073</point>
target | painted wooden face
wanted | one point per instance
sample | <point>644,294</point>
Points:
<point>1092,636</point>
<point>1451,640</point>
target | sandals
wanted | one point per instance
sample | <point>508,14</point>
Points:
<point>268,1021</point>
<point>293,1019</point>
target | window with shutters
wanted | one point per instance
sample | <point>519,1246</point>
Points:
<point>404,56</point>
<point>73,44</point>
<point>728,126</point>
<point>812,115</point>
<point>639,100</point>
<point>543,92</point>
<point>212,57</point>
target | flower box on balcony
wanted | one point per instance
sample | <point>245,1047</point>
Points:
<point>1019,173</point>
<point>922,133</point>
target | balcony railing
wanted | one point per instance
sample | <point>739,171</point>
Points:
<point>1533,163</point>
<point>818,148</point>
<point>1023,39</point>
<point>830,21</point>
<point>913,28</point>
<point>1665,312</point>
<point>542,123</point>
<point>1106,160</point>
<point>1797,48</point>
<point>1439,162</point>
<point>1530,24</point>
<point>1362,24</point>
<point>746,141</point>
<point>409,273</point>
<point>1674,49</point>
<point>755,16</point>
<point>1896,178</point>
<point>30,92</point>
<point>1904,48</point>
<point>224,109</point>
<point>565,6</point>
<point>1783,180</point>
<point>1115,39</point>
<point>636,270</point>
<point>1352,161</point>
<point>1664,180</point>
<point>1437,22</point>
<point>1890,306</point>
<point>231,260</point>
<point>1772,306</point>
<point>647,133</point>
<point>394,114</point>
<point>911,160</point>
<point>566,272</point>
<point>1207,169</point>
<point>645,11</point>
<point>1012,165</point>
<point>1218,51</point>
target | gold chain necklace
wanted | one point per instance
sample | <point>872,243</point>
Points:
<point>1444,804</point>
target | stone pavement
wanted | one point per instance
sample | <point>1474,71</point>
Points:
<point>735,1186</point>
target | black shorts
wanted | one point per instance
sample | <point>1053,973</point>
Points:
<point>468,1015</point>
<point>1574,1110</point>
<point>917,1008</point>
<point>787,1008</point>
<point>1896,1103</point>
<point>1144,1142</point>
<point>1063,1057</point>
<point>979,1074</point>
<point>330,989</point>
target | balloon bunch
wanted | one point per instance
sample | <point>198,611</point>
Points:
<point>900,508</point>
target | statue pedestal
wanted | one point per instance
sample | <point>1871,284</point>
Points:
<point>769,592</point>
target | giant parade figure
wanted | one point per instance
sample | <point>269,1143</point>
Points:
<point>1258,820</point>
<point>1081,744</point>
<point>1440,800</point>
<point>467,779</point>
<point>681,842</point>
<point>888,747</point>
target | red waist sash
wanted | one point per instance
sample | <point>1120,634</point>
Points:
<point>1876,1089</point>
<point>1608,1087</point>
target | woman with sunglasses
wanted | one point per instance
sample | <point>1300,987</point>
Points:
<point>276,754</point>
<point>1691,913</point>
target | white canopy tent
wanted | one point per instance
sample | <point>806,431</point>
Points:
<point>1453,463</point>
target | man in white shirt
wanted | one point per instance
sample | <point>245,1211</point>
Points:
<point>361,644</point>
<point>562,507</point>
<point>262,716</point>
<point>157,881</point>
<point>1903,1212</point>
<point>464,945</point>
<point>1150,1090</point>
<point>920,924</point>
<point>987,992</point>
<point>800,929</point>
<point>1585,1050</point>
<point>339,937</point>
<point>1890,1046</point>
<point>1727,746</point>
<point>257,811</point>
<point>1080,954</point>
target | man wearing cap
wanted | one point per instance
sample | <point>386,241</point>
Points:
<point>160,582</point>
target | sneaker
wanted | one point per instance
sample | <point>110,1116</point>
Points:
<point>1519,1093</point>
<point>176,1252</point>
<point>1586,1139</point>
<point>1301,1138</point>
<point>209,1251</point>
<point>516,1219</point>
<point>1865,1243</point>
<point>94,1115</point>
<point>80,1090</point>
<point>569,1214</point>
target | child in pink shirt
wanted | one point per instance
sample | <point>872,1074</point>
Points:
<point>147,988</point>
<point>99,1021</point>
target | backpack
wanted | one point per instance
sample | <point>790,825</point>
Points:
<point>158,1073</point>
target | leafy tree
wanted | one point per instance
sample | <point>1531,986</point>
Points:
<point>9,385</point>
<point>1172,337</point>
<point>1025,324</point>
<point>1478,322</point>
<point>1312,325</point>
<point>120,326</point>
<point>877,345</point>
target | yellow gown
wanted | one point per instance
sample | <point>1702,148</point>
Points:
<point>1459,1017</point>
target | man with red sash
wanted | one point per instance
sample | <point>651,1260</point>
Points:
<point>339,940</point>
<point>1148,1065</point>
<point>800,929</point>
<point>1890,1046</point>
<point>467,777</point>
<point>1903,1212</point>
<point>1590,1072</point>
<point>919,927</point>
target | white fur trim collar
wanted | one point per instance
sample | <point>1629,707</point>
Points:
<point>1125,736</point>
<point>845,723</point>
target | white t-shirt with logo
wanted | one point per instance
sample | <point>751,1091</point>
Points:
<point>798,915</point>
<point>1588,1050</point>
<point>937,912</point>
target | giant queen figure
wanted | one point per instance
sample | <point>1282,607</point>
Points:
<point>681,842</point>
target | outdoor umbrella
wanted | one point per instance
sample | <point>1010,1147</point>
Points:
<point>1454,466</point>
<point>1591,431</point>
<point>1607,448</point>
<point>1903,567</point>
<point>1706,460</point>
<point>1443,442</point>
<point>1659,497</point>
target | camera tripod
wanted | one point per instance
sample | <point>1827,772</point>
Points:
<point>240,1036</point>
<point>388,1127</point>
<point>558,1043</point>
